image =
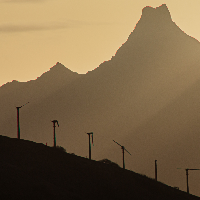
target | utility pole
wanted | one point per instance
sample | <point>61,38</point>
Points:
<point>123,156</point>
<point>156,170</point>
<point>187,177</point>
<point>18,125</point>
<point>187,180</point>
<point>54,133</point>
<point>123,148</point>
<point>90,144</point>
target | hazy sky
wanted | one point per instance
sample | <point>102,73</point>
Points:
<point>80,34</point>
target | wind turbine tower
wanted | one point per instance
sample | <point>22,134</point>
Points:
<point>187,177</point>
<point>18,126</point>
<point>123,148</point>
<point>156,170</point>
<point>54,133</point>
<point>90,144</point>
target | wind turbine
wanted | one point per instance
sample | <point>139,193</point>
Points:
<point>90,144</point>
<point>18,126</point>
<point>156,170</point>
<point>123,148</point>
<point>54,121</point>
<point>187,177</point>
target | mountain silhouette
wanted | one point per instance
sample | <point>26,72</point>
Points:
<point>140,98</point>
<point>35,171</point>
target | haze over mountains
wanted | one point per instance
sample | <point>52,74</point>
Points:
<point>146,98</point>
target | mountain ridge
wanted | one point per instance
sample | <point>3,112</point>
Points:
<point>115,100</point>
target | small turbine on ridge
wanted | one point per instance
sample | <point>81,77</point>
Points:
<point>123,148</point>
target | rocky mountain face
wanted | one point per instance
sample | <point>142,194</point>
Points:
<point>146,98</point>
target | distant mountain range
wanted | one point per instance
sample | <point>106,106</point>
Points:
<point>146,98</point>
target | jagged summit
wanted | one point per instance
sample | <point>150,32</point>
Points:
<point>155,36</point>
<point>155,18</point>
<point>160,12</point>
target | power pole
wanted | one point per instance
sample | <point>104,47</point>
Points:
<point>187,180</point>
<point>54,133</point>
<point>123,148</point>
<point>90,144</point>
<point>187,177</point>
<point>156,170</point>
<point>18,125</point>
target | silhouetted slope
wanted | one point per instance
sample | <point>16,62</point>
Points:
<point>31,170</point>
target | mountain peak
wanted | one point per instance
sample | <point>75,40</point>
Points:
<point>58,72</point>
<point>61,69</point>
<point>160,12</point>
<point>59,66</point>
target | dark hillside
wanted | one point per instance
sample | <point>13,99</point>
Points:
<point>31,170</point>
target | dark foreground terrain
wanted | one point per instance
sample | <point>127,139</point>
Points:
<point>30,170</point>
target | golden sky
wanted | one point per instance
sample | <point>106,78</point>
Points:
<point>80,34</point>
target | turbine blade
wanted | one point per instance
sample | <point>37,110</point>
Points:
<point>117,143</point>
<point>127,151</point>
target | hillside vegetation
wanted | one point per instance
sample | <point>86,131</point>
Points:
<point>30,170</point>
